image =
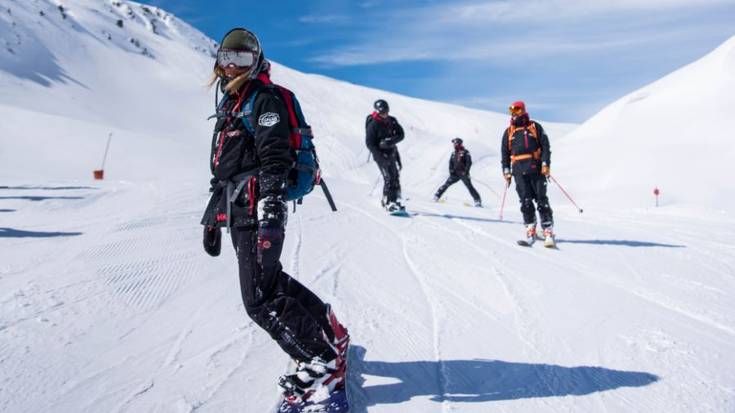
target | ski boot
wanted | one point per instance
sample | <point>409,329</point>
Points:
<point>316,386</point>
<point>530,236</point>
<point>395,206</point>
<point>549,241</point>
<point>435,199</point>
<point>341,340</point>
<point>478,203</point>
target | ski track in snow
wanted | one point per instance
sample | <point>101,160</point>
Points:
<point>431,301</point>
<point>524,319</point>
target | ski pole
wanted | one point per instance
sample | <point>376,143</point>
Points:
<point>107,148</point>
<point>502,203</point>
<point>566,194</point>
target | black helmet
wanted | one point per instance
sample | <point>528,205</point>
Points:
<point>232,48</point>
<point>457,141</point>
<point>381,106</point>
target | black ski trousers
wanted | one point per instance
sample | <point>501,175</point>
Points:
<point>293,316</point>
<point>388,165</point>
<point>532,187</point>
<point>453,179</point>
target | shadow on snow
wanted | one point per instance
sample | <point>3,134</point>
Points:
<point>477,381</point>
<point>624,243</point>
<point>40,198</point>
<point>464,218</point>
<point>17,233</point>
<point>47,188</point>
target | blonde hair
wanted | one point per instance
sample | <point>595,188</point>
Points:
<point>233,85</point>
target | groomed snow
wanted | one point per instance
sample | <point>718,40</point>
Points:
<point>108,303</point>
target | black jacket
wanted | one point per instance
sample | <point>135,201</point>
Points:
<point>460,162</point>
<point>382,135</point>
<point>523,143</point>
<point>235,151</point>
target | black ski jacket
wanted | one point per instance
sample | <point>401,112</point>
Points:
<point>460,162</point>
<point>382,135</point>
<point>235,152</point>
<point>523,143</point>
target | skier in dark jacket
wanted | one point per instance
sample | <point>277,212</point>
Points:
<point>382,134</point>
<point>248,190</point>
<point>526,157</point>
<point>459,170</point>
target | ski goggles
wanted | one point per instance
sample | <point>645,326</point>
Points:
<point>516,110</point>
<point>239,58</point>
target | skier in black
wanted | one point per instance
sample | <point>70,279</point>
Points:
<point>302,325</point>
<point>382,134</point>
<point>459,170</point>
<point>526,157</point>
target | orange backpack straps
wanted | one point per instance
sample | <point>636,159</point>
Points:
<point>511,131</point>
<point>533,131</point>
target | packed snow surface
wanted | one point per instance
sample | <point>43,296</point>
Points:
<point>109,304</point>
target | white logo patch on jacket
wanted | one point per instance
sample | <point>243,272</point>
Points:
<point>268,119</point>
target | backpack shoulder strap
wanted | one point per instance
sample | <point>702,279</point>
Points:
<point>511,131</point>
<point>532,130</point>
<point>246,113</point>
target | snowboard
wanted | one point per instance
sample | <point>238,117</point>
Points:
<point>335,403</point>
<point>400,213</point>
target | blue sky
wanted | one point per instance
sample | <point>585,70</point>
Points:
<point>566,58</point>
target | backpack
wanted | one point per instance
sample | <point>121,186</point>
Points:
<point>530,130</point>
<point>305,172</point>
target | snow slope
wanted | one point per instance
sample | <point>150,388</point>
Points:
<point>107,302</point>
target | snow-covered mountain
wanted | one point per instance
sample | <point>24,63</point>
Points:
<point>672,134</point>
<point>107,302</point>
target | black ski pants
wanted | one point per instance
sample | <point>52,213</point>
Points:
<point>453,179</point>
<point>293,316</point>
<point>532,187</point>
<point>388,165</point>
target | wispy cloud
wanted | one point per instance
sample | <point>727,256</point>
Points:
<point>555,10</point>
<point>325,19</point>
<point>555,28</point>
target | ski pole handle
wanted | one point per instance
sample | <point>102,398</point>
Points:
<point>566,194</point>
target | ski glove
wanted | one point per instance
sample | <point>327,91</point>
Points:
<point>387,143</point>
<point>270,243</point>
<point>507,176</point>
<point>212,240</point>
<point>545,170</point>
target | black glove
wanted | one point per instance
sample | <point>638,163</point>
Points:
<point>271,229</point>
<point>270,243</point>
<point>212,184</point>
<point>212,240</point>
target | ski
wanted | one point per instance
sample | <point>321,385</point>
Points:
<point>524,243</point>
